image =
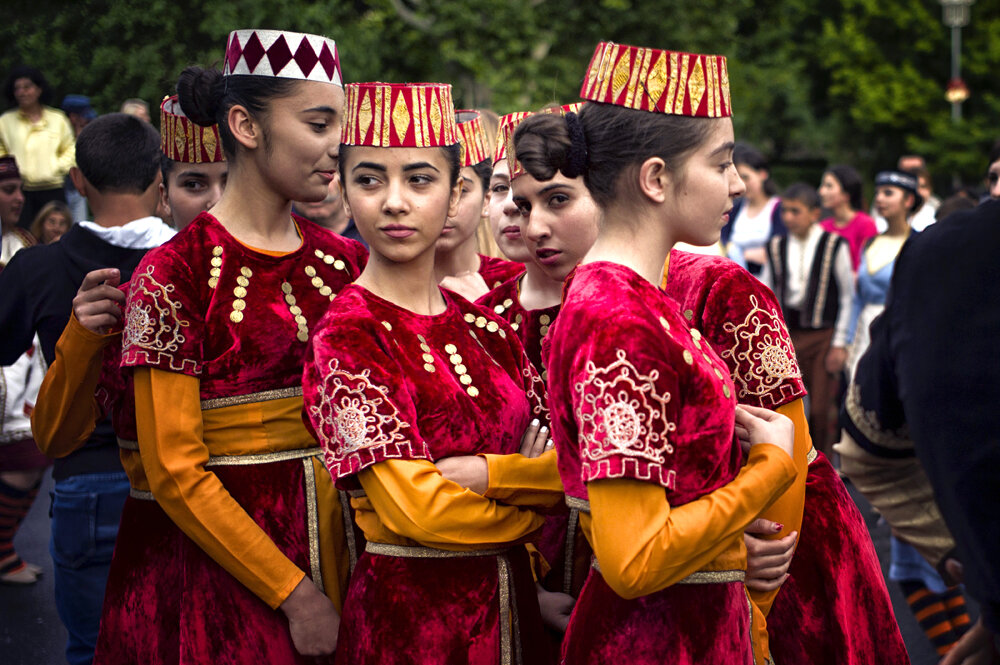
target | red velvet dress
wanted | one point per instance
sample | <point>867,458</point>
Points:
<point>496,271</point>
<point>635,394</point>
<point>560,542</point>
<point>386,384</point>
<point>206,306</point>
<point>834,608</point>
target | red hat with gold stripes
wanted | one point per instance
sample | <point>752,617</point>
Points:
<point>399,115</point>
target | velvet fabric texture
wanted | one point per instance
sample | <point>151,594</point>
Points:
<point>495,271</point>
<point>208,306</point>
<point>167,602</point>
<point>437,611</point>
<point>687,624</point>
<point>384,383</point>
<point>637,394</point>
<point>531,327</point>
<point>834,607</point>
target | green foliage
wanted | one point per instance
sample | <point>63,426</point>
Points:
<point>857,81</point>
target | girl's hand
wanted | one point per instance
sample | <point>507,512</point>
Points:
<point>556,608</point>
<point>755,426</point>
<point>469,471</point>
<point>312,620</point>
<point>98,303</point>
<point>767,560</point>
<point>535,440</point>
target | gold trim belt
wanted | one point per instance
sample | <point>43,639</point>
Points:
<point>701,576</point>
<point>811,455</point>
<point>128,444</point>
<point>417,552</point>
<point>263,458</point>
<point>264,396</point>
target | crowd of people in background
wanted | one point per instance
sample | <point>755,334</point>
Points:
<point>104,192</point>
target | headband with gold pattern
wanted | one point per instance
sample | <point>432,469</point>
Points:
<point>399,115</point>
<point>648,79</point>
<point>472,136</point>
<point>184,141</point>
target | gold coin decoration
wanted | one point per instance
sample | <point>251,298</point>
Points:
<point>302,336</point>
<point>492,326</point>
<point>310,271</point>
<point>216,271</point>
<point>243,281</point>
<point>545,319</point>
<point>507,303</point>
<point>240,292</point>
<point>217,250</point>
<point>236,316</point>
<point>498,309</point>
<point>246,272</point>
<point>688,314</point>
<point>725,390</point>
<point>429,367</point>
<point>470,318</point>
<point>286,288</point>
<point>339,265</point>
<point>473,391</point>
<point>688,358</point>
<point>388,326</point>
<point>664,323</point>
<point>450,349</point>
<point>480,321</point>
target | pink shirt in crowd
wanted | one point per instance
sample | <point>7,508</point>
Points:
<point>858,230</point>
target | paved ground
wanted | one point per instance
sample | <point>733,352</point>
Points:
<point>31,634</point>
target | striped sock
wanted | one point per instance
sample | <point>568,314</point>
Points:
<point>14,506</point>
<point>958,614</point>
<point>930,611</point>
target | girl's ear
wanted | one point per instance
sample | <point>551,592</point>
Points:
<point>654,179</point>
<point>243,127</point>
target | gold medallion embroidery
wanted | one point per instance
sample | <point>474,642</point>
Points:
<point>154,329</point>
<point>761,358</point>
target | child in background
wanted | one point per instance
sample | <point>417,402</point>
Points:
<point>809,271</point>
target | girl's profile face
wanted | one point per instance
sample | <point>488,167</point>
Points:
<point>54,226</point>
<point>300,141</point>
<point>463,224</point>
<point>399,198</point>
<point>753,179</point>
<point>831,194</point>
<point>558,221</point>
<point>505,222</point>
<point>892,202</point>
<point>703,189</point>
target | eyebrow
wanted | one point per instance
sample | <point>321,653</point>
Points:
<point>191,174</point>
<point>370,165</point>
<point>725,147</point>
<point>321,109</point>
<point>419,165</point>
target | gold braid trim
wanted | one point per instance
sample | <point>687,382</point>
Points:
<point>263,458</point>
<point>812,455</point>
<point>581,505</point>
<point>352,545</point>
<point>128,444</point>
<point>140,494</point>
<point>312,523</point>
<point>265,396</point>
<point>701,576</point>
<point>571,525</point>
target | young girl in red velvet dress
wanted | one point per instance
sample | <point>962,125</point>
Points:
<point>643,409</point>
<point>832,605</point>
<point>247,565</point>
<point>403,374</point>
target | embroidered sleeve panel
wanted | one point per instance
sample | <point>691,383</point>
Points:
<point>535,389</point>
<point>749,333</point>
<point>625,418</point>
<point>161,324</point>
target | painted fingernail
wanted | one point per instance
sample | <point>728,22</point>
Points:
<point>544,429</point>
<point>778,527</point>
<point>535,423</point>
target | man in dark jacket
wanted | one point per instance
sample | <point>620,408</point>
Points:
<point>118,170</point>
<point>932,377</point>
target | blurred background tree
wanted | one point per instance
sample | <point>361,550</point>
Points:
<point>813,82</point>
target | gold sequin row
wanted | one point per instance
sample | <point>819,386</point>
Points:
<point>460,369</point>
<point>330,260</point>
<point>242,282</point>
<point>216,271</point>
<point>500,309</point>
<point>689,357</point>
<point>426,355</point>
<point>544,320</point>
<point>482,322</point>
<point>300,320</point>
<point>317,281</point>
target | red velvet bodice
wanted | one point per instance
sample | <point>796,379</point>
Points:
<point>531,326</point>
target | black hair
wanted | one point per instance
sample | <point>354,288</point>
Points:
<point>803,193</point>
<point>119,153</point>
<point>850,182</point>
<point>994,153</point>
<point>206,96</point>
<point>620,139</point>
<point>542,144</point>
<point>452,154</point>
<point>26,72</point>
<point>166,166</point>
<point>484,170</point>
<point>749,156</point>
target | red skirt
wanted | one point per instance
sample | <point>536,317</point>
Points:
<point>834,608</point>
<point>169,603</point>
<point>684,624</point>
<point>462,610</point>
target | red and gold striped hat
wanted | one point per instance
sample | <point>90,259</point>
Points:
<point>658,81</point>
<point>506,134</point>
<point>399,115</point>
<point>184,141</point>
<point>472,137</point>
<point>505,130</point>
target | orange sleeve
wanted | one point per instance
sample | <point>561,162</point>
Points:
<point>413,500</point>
<point>66,411</point>
<point>787,510</point>
<point>174,454</point>
<point>524,481</point>
<point>643,545</point>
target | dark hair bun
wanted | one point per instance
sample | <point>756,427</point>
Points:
<point>542,145</point>
<point>199,92</point>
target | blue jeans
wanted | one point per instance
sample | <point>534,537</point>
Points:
<point>85,512</point>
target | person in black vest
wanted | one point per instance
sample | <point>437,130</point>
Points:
<point>928,387</point>
<point>118,171</point>
<point>809,271</point>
